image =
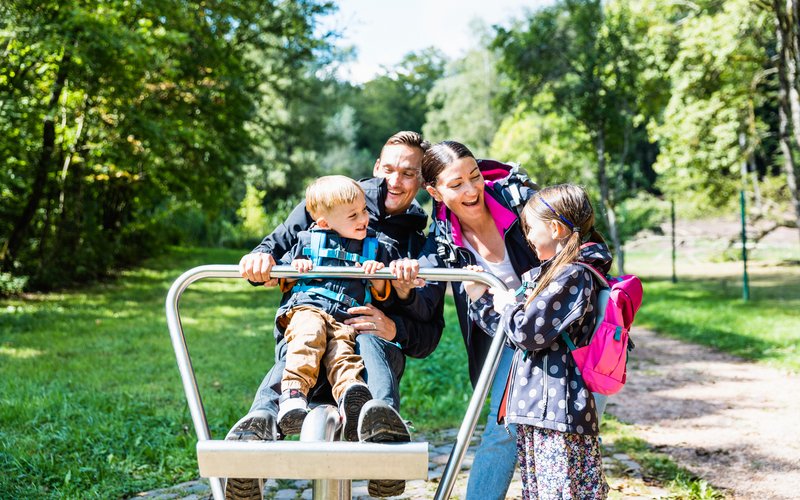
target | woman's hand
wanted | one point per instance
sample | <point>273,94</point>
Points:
<point>406,271</point>
<point>370,319</point>
<point>473,288</point>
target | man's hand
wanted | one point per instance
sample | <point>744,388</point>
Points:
<point>406,271</point>
<point>256,267</point>
<point>369,319</point>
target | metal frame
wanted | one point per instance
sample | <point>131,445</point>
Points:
<point>231,271</point>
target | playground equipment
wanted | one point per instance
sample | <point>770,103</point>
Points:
<point>330,464</point>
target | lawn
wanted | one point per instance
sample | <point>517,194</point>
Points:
<point>706,305</point>
<point>91,403</point>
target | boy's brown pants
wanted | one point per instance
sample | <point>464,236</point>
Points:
<point>313,336</point>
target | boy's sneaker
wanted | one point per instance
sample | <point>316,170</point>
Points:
<point>255,426</point>
<point>354,398</point>
<point>292,411</point>
<point>380,423</point>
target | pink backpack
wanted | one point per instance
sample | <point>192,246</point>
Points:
<point>603,362</point>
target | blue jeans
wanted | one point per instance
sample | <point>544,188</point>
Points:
<point>496,457</point>
<point>384,363</point>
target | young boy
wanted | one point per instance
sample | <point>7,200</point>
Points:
<point>312,310</point>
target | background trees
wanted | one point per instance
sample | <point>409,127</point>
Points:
<point>128,126</point>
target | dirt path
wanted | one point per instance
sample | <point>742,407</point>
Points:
<point>734,423</point>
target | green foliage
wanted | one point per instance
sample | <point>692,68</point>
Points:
<point>640,213</point>
<point>549,144</point>
<point>396,100</point>
<point>719,84</point>
<point>460,104</point>
<point>109,109</point>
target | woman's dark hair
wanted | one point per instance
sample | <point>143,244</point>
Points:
<point>439,156</point>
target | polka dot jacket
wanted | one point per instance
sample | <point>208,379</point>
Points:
<point>543,388</point>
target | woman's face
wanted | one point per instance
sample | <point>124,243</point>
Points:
<point>460,187</point>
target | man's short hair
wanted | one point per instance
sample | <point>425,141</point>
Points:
<point>330,191</point>
<point>407,138</point>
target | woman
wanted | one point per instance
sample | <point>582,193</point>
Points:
<point>475,224</point>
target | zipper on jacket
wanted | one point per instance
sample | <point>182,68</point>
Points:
<point>544,386</point>
<point>509,382</point>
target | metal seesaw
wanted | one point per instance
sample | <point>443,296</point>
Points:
<point>330,464</point>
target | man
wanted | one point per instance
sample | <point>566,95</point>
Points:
<point>384,338</point>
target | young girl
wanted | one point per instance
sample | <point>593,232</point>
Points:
<point>557,443</point>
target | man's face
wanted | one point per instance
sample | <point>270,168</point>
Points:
<point>400,166</point>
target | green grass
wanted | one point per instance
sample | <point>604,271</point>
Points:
<point>710,309</point>
<point>91,403</point>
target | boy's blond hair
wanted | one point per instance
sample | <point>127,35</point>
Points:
<point>330,191</point>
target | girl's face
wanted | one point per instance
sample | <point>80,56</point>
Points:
<point>460,187</point>
<point>542,236</point>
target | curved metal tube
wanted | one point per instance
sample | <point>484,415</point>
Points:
<point>231,271</point>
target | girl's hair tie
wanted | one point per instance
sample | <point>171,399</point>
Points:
<point>564,219</point>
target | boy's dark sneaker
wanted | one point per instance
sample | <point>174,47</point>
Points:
<point>292,411</point>
<point>255,426</point>
<point>380,423</point>
<point>354,398</point>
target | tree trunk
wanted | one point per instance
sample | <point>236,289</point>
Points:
<point>791,43</point>
<point>23,221</point>
<point>784,54</point>
<point>611,217</point>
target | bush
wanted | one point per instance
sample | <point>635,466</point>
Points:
<point>11,285</point>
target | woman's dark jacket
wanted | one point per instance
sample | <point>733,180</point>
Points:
<point>476,341</point>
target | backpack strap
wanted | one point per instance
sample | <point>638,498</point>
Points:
<point>315,250</point>
<point>318,290</point>
<point>369,249</point>
<point>601,277</point>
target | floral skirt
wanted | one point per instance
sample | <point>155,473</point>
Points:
<point>559,465</point>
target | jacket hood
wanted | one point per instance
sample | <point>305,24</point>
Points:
<point>596,255</point>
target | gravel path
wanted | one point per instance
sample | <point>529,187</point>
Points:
<point>734,423</point>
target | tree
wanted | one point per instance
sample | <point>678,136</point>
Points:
<point>786,16</point>
<point>582,52</point>
<point>461,102</point>
<point>108,110</point>
<point>396,100</point>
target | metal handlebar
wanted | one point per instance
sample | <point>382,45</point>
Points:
<point>431,274</point>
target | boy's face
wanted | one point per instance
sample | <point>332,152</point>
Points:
<point>349,220</point>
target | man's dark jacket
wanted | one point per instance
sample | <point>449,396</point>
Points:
<point>416,337</point>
